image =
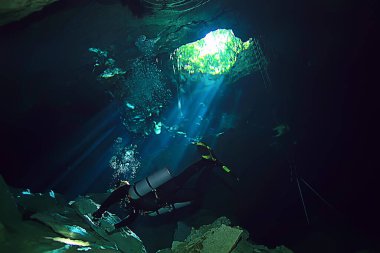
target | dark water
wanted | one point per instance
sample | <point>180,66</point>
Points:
<point>58,125</point>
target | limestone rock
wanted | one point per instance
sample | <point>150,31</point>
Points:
<point>13,10</point>
<point>181,232</point>
<point>69,227</point>
<point>125,239</point>
<point>222,238</point>
<point>216,237</point>
<point>49,224</point>
<point>9,214</point>
<point>39,202</point>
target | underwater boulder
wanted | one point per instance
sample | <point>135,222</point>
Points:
<point>29,225</point>
<point>20,235</point>
<point>220,237</point>
<point>11,10</point>
<point>38,202</point>
<point>9,214</point>
<point>125,239</point>
<point>182,231</point>
<point>69,227</point>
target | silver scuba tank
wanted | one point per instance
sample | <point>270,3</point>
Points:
<point>169,208</point>
<point>149,183</point>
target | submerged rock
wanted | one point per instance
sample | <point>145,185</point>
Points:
<point>222,238</point>
<point>9,214</point>
<point>126,240</point>
<point>46,223</point>
<point>11,10</point>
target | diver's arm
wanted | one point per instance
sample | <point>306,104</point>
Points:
<point>116,196</point>
<point>127,220</point>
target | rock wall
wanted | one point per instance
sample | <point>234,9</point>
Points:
<point>35,222</point>
<point>13,10</point>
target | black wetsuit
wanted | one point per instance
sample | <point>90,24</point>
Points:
<point>169,193</point>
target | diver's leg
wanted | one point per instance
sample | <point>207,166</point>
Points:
<point>183,195</point>
<point>192,170</point>
<point>168,189</point>
<point>116,196</point>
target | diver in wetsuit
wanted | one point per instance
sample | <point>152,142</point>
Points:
<point>160,193</point>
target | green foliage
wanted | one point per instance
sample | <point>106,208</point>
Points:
<point>215,54</point>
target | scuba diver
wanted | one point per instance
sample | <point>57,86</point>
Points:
<point>161,193</point>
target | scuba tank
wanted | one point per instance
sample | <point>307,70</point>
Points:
<point>169,208</point>
<point>149,183</point>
